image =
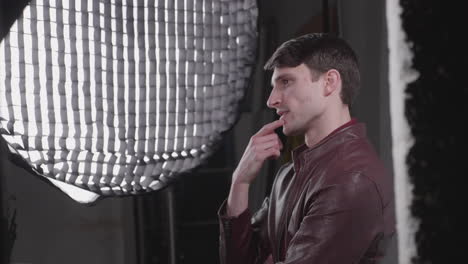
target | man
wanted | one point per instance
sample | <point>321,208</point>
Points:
<point>333,202</point>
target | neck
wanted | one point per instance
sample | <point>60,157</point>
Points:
<point>325,124</point>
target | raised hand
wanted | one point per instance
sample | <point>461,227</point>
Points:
<point>263,145</point>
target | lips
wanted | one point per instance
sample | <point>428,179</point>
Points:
<point>282,114</point>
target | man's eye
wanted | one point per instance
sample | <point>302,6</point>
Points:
<point>285,82</point>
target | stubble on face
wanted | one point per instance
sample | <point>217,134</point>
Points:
<point>301,101</point>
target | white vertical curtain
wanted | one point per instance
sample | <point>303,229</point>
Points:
<point>401,73</point>
<point>119,97</point>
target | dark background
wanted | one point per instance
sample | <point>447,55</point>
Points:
<point>436,110</point>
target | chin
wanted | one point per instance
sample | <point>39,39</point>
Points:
<point>289,132</point>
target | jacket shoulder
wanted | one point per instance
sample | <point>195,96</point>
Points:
<point>356,162</point>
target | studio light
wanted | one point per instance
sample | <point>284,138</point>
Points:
<point>120,97</point>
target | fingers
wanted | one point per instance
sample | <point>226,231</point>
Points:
<point>262,139</point>
<point>267,141</point>
<point>270,128</point>
<point>270,153</point>
<point>270,144</point>
<point>257,139</point>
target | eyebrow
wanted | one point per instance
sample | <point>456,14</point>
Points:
<point>280,77</point>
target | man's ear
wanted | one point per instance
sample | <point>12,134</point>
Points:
<point>332,82</point>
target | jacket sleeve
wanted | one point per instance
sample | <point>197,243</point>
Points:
<point>342,224</point>
<point>243,239</point>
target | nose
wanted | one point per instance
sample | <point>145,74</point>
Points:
<point>274,100</point>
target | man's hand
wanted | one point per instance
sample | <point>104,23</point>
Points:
<point>263,145</point>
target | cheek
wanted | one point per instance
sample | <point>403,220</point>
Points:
<point>305,109</point>
<point>303,103</point>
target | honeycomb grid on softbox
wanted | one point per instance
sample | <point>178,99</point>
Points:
<point>120,97</point>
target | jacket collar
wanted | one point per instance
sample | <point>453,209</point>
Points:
<point>341,135</point>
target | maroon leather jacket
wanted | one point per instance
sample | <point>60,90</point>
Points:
<point>333,204</point>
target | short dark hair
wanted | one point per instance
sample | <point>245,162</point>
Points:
<point>321,52</point>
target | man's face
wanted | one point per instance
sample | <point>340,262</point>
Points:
<point>298,99</point>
